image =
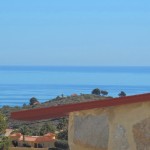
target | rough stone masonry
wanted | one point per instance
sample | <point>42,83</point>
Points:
<point>124,127</point>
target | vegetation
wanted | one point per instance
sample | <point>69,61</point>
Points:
<point>60,126</point>
<point>3,124</point>
<point>33,100</point>
<point>24,130</point>
<point>62,144</point>
<point>46,128</point>
<point>122,94</point>
<point>63,124</point>
<point>63,135</point>
<point>35,128</point>
<point>4,141</point>
<point>104,93</point>
<point>96,91</point>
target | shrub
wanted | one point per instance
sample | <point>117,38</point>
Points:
<point>61,144</point>
<point>47,127</point>
<point>104,93</point>
<point>3,123</point>
<point>33,100</point>
<point>122,94</point>
<point>63,135</point>
<point>96,91</point>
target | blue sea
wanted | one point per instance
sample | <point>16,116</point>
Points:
<point>19,83</point>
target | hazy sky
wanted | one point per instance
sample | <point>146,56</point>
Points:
<point>75,32</point>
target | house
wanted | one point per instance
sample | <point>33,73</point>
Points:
<point>15,136</point>
<point>113,124</point>
<point>8,132</point>
<point>34,141</point>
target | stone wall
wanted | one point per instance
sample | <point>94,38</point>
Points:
<point>125,127</point>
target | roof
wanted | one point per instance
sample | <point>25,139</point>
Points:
<point>50,135</point>
<point>64,110</point>
<point>8,132</point>
<point>46,138</point>
<point>15,135</point>
<point>28,138</point>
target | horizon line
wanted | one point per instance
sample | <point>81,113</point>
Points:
<point>73,66</point>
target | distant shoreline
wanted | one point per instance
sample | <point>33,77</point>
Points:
<point>19,83</point>
<point>123,69</point>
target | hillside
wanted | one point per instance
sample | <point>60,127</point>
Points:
<point>36,126</point>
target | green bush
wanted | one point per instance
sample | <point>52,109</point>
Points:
<point>122,94</point>
<point>33,100</point>
<point>63,135</point>
<point>104,93</point>
<point>96,91</point>
<point>61,144</point>
<point>47,127</point>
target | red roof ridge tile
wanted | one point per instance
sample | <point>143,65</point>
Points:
<point>63,110</point>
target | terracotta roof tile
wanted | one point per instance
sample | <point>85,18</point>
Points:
<point>37,138</point>
<point>28,138</point>
<point>8,132</point>
<point>44,139</point>
<point>51,135</point>
<point>16,135</point>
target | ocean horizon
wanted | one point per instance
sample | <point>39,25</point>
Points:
<point>19,83</point>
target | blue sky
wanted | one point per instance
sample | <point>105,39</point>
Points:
<point>75,32</point>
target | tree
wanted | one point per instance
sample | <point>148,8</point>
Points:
<point>24,131</point>
<point>63,124</point>
<point>104,93</point>
<point>4,141</point>
<point>61,144</point>
<point>3,124</point>
<point>33,100</point>
<point>24,105</point>
<point>122,94</point>
<point>96,91</point>
<point>63,135</point>
<point>62,95</point>
<point>47,127</point>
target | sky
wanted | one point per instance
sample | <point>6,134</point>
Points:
<point>75,32</point>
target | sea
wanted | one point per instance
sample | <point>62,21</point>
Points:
<point>20,83</point>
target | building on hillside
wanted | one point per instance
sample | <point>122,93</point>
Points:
<point>15,136</point>
<point>45,141</point>
<point>112,124</point>
<point>8,132</point>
